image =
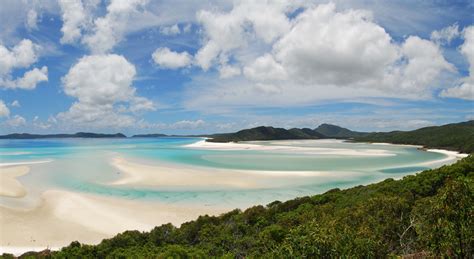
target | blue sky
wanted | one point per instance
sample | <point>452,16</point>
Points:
<point>186,67</point>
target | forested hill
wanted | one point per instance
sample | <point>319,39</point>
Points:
<point>425,215</point>
<point>271,133</point>
<point>334,131</point>
<point>455,136</point>
<point>76,135</point>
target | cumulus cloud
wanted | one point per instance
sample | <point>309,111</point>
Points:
<point>445,35</point>
<point>166,58</point>
<point>321,53</point>
<point>225,32</point>
<point>101,83</point>
<point>466,89</point>
<point>170,30</point>
<point>74,19</point>
<point>4,111</point>
<point>109,29</point>
<point>16,121</point>
<point>265,68</point>
<point>22,55</point>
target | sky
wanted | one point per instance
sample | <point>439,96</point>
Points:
<point>192,67</point>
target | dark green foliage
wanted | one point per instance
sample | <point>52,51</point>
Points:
<point>333,131</point>
<point>265,133</point>
<point>456,136</point>
<point>428,214</point>
<point>271,133</point>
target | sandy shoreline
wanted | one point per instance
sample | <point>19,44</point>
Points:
<point>65,216</point>
<point>9,185</point>
<point>202,144</point>
<point>168,175</point>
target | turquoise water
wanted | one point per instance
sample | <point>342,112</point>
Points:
<point>82,165</point>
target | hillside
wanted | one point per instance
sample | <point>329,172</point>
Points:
<point>455,136</point>
<point>423,215</point>
<point>265,133</point>
<point>76,135</point>
<point>333,131</point>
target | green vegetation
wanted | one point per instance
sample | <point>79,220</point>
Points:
<point>266,133</point>
<point>456,136</point>
<point>428,214</point>
<point>333,131</point>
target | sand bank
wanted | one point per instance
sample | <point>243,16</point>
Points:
<point>174,175</point>
<point>9,185</point>
<point>286,147</point>
<point>24,163</point>
<point>65,216</point>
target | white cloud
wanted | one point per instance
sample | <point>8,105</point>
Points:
<point>32,19</point>
<point>424,64</point>
<point>170,30</point>
<point>74,19</point>
<point>22,55</point>
<point>323,54</point>
<point>329,47</point>
<point>466,89</point>
<point>16,121</point>
<point>445,35</point>
<point>109,29</point>
<point>265,68</point>
<point>15,103</point>
<point>225,32</point>
<point>166,58</point>
<point>29,80</point>
<point>187,124</point>
<point>228,71</point>
<point>102,83</point>
<point>4,111</point>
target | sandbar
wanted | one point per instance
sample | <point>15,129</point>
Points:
<point>174,175</point>
<point>9,185</point>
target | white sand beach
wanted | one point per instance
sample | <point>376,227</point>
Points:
<point>65,216</point>
<point>170,175</point>
<point>203,144</point>
<point>9,185</point>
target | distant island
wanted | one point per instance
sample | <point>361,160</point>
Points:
<point>324,131</point>
<point>76,135</point>
<point>454,136</point>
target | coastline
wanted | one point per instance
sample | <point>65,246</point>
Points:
<point>9,184</point>
<point>65,216</point>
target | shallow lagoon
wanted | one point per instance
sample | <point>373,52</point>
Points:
<point>83,165</point>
